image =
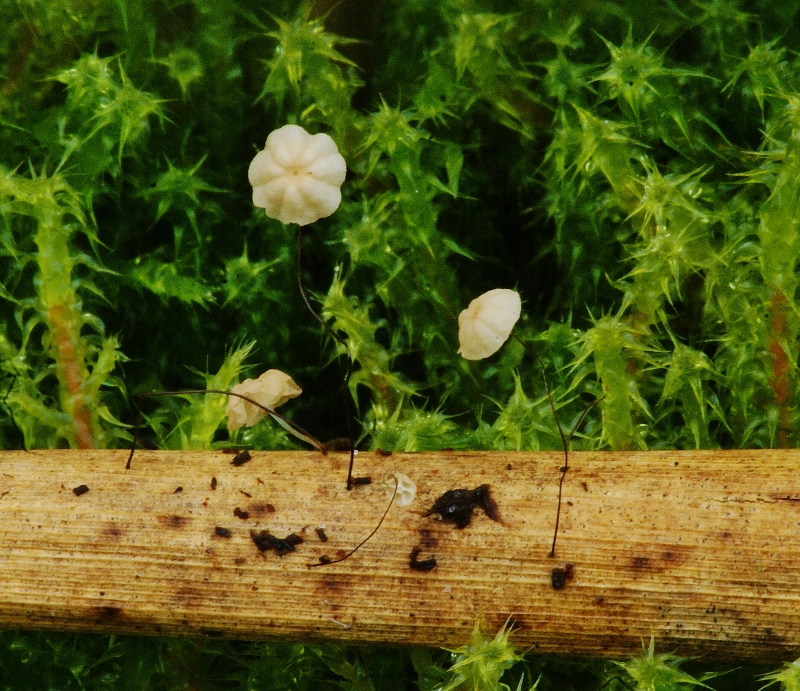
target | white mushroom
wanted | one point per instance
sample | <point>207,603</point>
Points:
<point>298,176</point>
<point>406,489</point>
<point>487,323</point>
<point>272,389</point>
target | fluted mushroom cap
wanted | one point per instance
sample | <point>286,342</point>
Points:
<point>298,176</point>
<point>487,323</point>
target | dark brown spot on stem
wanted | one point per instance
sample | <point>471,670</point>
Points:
<point>427,538</point>
<point>172,521</point>
<point>106,612</point>
<point>112,531</point>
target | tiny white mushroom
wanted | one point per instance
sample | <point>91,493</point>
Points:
<point>272,389</point>
<point>406,489</point>
<point>298,176</point>
<point>487,323</point>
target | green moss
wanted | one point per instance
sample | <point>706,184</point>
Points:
<point>631,168</point>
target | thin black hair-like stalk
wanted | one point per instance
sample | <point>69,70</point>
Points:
<point>328,562</point>
<point>299,431</point>
<point>565,440</point>
<point>342,341</point>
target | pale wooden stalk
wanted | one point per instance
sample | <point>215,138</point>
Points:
<point>701,549</point>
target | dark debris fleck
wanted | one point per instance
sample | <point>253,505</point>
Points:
<point>560,575</point>
<point>241,458</point>
<point>266,540</point>
<point>420,564</point>
<point>456,505</point>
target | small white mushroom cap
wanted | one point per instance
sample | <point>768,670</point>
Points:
<point>298,176</point>
<point>272,389</point>
<point>406,489</point>
<point>487,323</point>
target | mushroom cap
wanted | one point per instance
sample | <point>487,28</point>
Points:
<point>406,488</point>
<point>487,323</point>
<point>298,176</point>
<point>272,389</point>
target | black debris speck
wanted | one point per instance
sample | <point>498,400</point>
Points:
<point>266,540</point>
<point>560,575</point>
<point>222,532</point>
<point>241,458</point>
<point>80,489</point>
<point>456,505</point>
<point>420,564</point>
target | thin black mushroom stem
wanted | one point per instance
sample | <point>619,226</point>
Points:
<point>565,440</point>
<point>295,428</point>
<point>324,561</point>
<point>343,342</point>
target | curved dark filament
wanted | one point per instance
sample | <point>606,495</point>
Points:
<point>364,541</point>
<point>565,468</point>
<point>305,435</point>
<point>565,440</point>
<point>343,342</point>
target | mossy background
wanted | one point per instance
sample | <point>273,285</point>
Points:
<point>632,168</point>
